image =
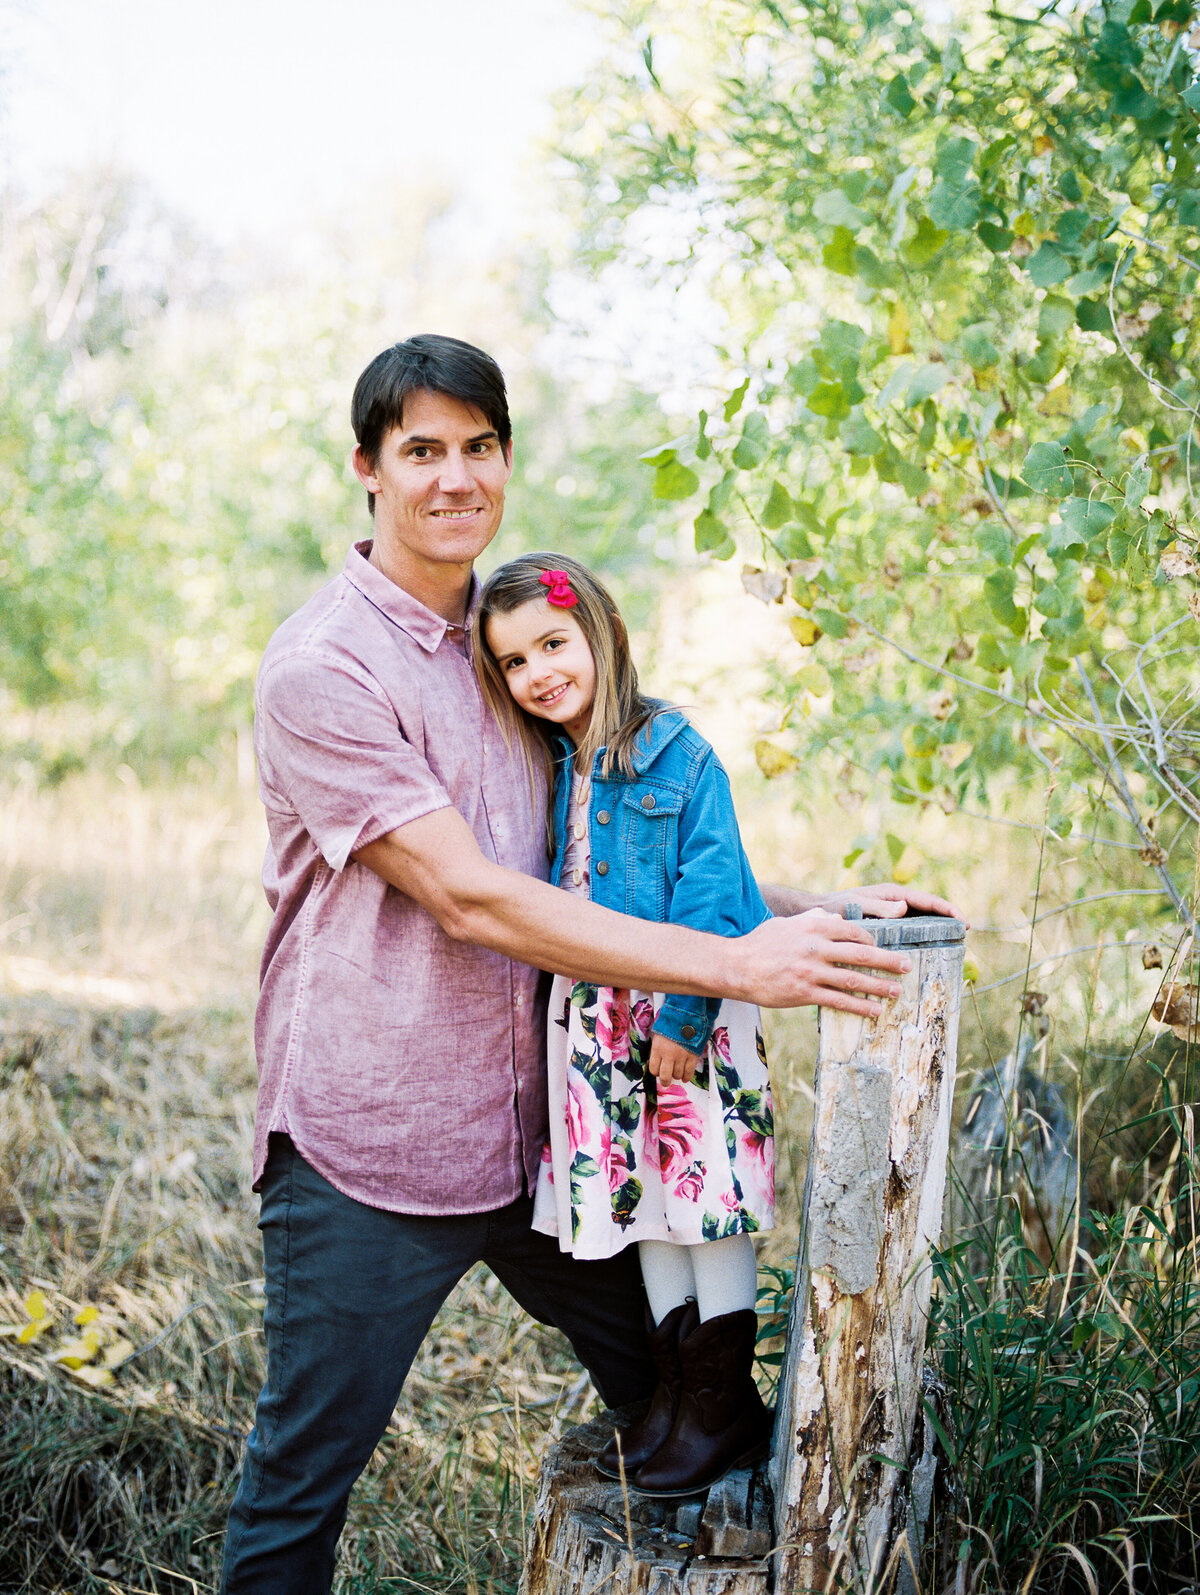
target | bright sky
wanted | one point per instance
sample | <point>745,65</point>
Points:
<point>251,114</point>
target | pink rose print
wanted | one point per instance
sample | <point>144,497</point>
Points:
<point>577,1093</point>
<point>720,1044</point>
<point>758,1154</point>
<point>679,1128</point>
<point>729,1201</point>
<point>642,1017</point>
<point>612,1023</point>
<point>612,1158</point>
<point>690,1183</point>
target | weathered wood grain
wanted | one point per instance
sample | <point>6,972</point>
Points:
<point>872,1210</point>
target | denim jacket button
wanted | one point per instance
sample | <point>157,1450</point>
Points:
<point>603,817</point>
<point>602,868</point>
<point>688,1032</point>
<point>648,801</point>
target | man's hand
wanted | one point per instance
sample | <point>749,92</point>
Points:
<point>884,901</point>
<point>816,957</point>
<point>669,1061</point>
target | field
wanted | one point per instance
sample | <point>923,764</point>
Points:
<point>131,927</point>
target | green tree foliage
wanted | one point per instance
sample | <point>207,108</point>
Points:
<point>957,270</point>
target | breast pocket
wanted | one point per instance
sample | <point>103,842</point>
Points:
<point>650,822</point>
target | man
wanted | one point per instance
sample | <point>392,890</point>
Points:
<point>401,1110</point>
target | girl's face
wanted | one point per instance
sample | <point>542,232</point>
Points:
<point>547,662</point>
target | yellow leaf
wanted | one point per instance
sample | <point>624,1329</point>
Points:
<point>87,1315</point>
<point>96,1377</point>
<point>804,630</point>
<point>1057,401</point>
<point>773,760</point>
<point>970,972</point>
<point>898,325</point>
<point>1024,225</point>
<point>1042,145</point>
<point>31,1331</point>
<point>917,743</point>
<point>953,753</point>
<point>120,1351</point>
<point>36,1305</point>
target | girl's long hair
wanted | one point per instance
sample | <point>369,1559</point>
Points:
<point>620,711</point>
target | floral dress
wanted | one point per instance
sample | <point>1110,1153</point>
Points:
<point>627,1159</point>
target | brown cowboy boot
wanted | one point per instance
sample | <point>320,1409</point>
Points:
<point>721,1422</point>
<point>641,1440</point>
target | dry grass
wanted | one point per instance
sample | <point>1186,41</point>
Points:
<point>131,922</point>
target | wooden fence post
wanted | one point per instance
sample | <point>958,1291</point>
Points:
<point>851,1377</point>
<point>852,1368</point>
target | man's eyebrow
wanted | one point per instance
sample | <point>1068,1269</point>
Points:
<point>479,437</point>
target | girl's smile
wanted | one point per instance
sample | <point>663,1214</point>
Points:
<point>546,663</point>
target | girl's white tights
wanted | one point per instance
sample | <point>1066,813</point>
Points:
<point>720,1275</point>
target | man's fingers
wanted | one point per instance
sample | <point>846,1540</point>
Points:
<point>848,1002</point>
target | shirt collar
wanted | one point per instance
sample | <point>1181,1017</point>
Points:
<point>400,607</point>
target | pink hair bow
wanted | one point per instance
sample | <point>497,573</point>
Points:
<point>560,594</point>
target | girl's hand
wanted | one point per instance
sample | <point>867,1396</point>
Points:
<point>669,1061</point>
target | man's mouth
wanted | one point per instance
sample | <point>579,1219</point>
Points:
<point>455,515</point>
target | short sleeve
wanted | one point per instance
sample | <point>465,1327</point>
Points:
<point>330,749</point>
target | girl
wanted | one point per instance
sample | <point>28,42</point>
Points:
<point>660,1107</point>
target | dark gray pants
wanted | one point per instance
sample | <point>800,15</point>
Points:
<point>350,1293</point>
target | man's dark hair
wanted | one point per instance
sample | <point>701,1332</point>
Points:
<point>437,364</point>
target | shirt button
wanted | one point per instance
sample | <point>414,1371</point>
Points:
<point>577,876</point>
<point>603,817</point>
<point>648,801</point>
<point>688,1032</point>
<point>520,1001</point>
<point>602,868</point>
<point>579,829</point>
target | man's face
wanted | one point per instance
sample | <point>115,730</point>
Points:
<point>438,481</point>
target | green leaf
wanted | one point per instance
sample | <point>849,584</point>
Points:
<point>858,435</point>
<point>953,208</point>
<point>928,381</point>
<point>675,481</point>
<point>836,210</point>
<point>990,656</point>
<point>1056,316</point>
<point>838,254</point>
<point>1086,282</point>
<point>831,622</point>
<point>897,98</point>
<point>1137,483</point>
<point>1087,517</point>
<point>997,239</point>
<point>721,492</point>
<point>829,400</point>
<point>1047,266</point>
<point>896,385</point>
<point>1191,97</point>
<point>804,374</point>
<point>914,479</point>
<point>1049,601</point>
<point>977,346</point>
<point>1122,543</point>
<point>712,536</point>
<point>955,159</point>
<point>998,589</point>
<point>777,511</point>
<point>995,541</point>
<point>703,445</point>
<point>1046,471</point>
<point>752,447</point>
<point>1092,315</point>
<point>735,400</point>
<point>925,245</point>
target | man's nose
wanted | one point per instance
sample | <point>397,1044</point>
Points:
<point>454,476</point>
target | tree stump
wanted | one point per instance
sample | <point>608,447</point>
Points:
<point>821,1511</point>
<point>851,1376</point>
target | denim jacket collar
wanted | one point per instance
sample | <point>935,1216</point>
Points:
<point>663,727</point>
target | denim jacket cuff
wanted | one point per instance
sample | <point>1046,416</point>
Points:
<point>684,1020</point>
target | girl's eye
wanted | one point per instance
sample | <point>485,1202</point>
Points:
<point>511,664</point>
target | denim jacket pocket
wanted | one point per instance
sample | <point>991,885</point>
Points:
<point>650,843</point>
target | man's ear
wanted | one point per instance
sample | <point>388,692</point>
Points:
<point>364,469</point>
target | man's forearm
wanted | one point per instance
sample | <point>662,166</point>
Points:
<point>786,963</point>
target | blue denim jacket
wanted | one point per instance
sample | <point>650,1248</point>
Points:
<point>665,846</point>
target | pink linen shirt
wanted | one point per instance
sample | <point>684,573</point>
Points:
<point>407,1068</point>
